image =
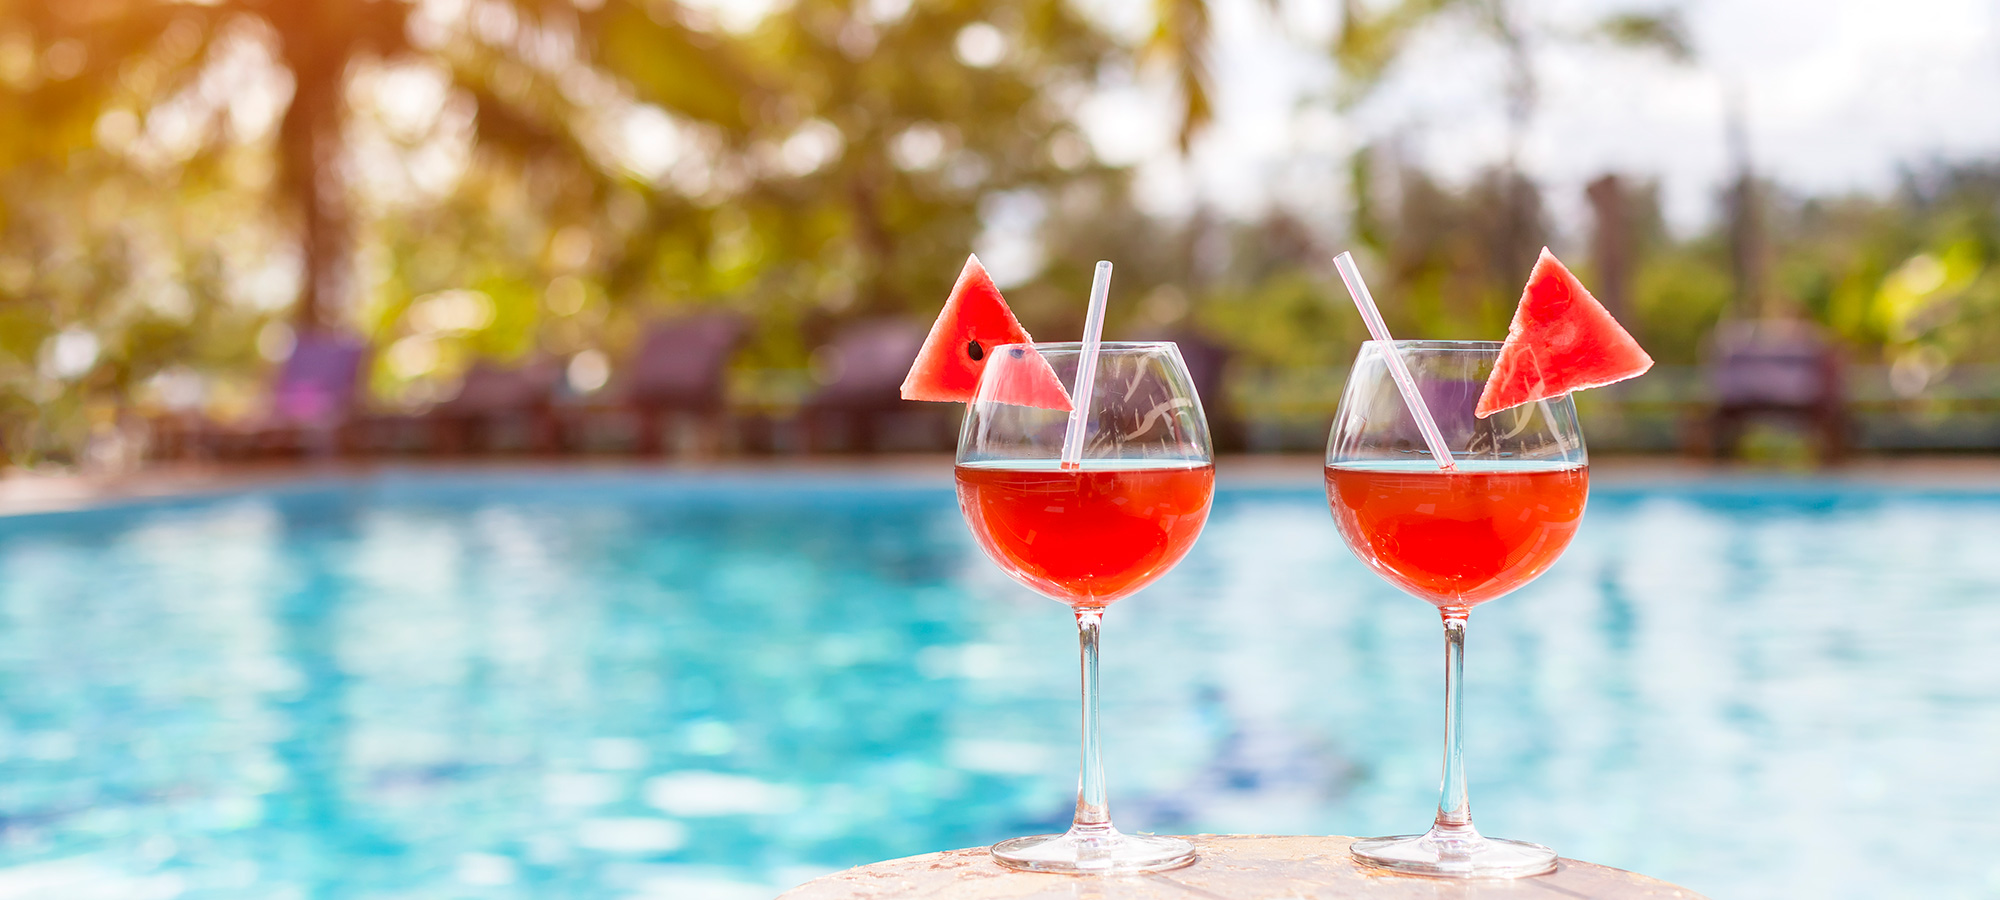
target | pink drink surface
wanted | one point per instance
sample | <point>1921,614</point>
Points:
<point>1460,537</point>
<point>1086,536</point>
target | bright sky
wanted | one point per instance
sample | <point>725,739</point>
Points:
<point>1837,95</point>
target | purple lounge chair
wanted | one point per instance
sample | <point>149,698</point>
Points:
<point>680,368</point>
<point>493,397</point>
<point>1775,369</point>
<point>1207,364</point>
<point>861,376</point>
<point>313,402</point>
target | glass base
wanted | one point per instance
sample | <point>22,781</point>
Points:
<point>1455,854</point>
<point>1093,852</point>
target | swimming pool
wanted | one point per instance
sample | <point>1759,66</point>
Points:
<point>579,685</point>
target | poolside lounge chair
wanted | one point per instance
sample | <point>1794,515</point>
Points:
<point>861,375</point>
<point>312,407</point>
<point>679,369</point>
<point>494,398</point>
<point>1775,369</point>
<point>1207,364</point>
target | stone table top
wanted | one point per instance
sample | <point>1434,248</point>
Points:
<point>1230,867</point>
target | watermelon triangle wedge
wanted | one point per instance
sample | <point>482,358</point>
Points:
<point>1561,340</point>
<point>976,319</point>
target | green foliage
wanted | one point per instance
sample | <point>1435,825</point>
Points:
<point>610,166</point>
<point>1909,278</point>
<point>1455,259</point>
<point>1370,39</point>
<point>1663,32</point>
<point>1682,290</point>
<point>1180,38</point>
<point>1291,320</point>
<point>823,166</point>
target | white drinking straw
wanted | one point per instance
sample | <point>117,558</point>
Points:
<point>1397,371</point>
<point>1086,365</point>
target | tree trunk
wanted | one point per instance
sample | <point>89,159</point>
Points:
<point>1746,227</point>
<point>309,145</point>
<point>1614,247</point>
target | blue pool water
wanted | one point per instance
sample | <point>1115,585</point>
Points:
<point>708,688</point>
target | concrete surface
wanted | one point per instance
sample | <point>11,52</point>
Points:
<point>1230,867</point>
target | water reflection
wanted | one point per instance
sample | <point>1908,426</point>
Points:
<point>590,686</point>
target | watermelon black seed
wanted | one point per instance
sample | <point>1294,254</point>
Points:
<point>1016,353</point>
<point>975,351</point>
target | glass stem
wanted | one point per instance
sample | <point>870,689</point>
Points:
<point>1454,809</point>
<point>1092,812</point>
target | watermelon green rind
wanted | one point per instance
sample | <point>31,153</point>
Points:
<point>946,369</point>
<point>1561,340</point>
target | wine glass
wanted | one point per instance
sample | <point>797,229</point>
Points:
<point>1088,533</point>
<point>1453,537</point>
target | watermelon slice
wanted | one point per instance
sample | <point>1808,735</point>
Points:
<point>1561,340</point>
<point>974,321</point>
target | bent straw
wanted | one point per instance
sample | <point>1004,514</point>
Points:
<point>1397,371</point>
<point>1086,365</point>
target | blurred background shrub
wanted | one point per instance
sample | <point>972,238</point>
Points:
<point>189,191</point>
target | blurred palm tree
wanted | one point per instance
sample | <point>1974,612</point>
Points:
<point>830,163</point>
<point>948,116</point>
<point>84,59</point>
<point>1505,208</point>
<point>1371,37</point>
<point>1180,38</point>
<point>1369,43</point>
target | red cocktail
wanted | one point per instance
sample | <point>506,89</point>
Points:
<point>1086,506</point>
<point>1462,536</point>
<point>1089,535</point>
<point>1456,470</point>
<point>1489,517</point>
